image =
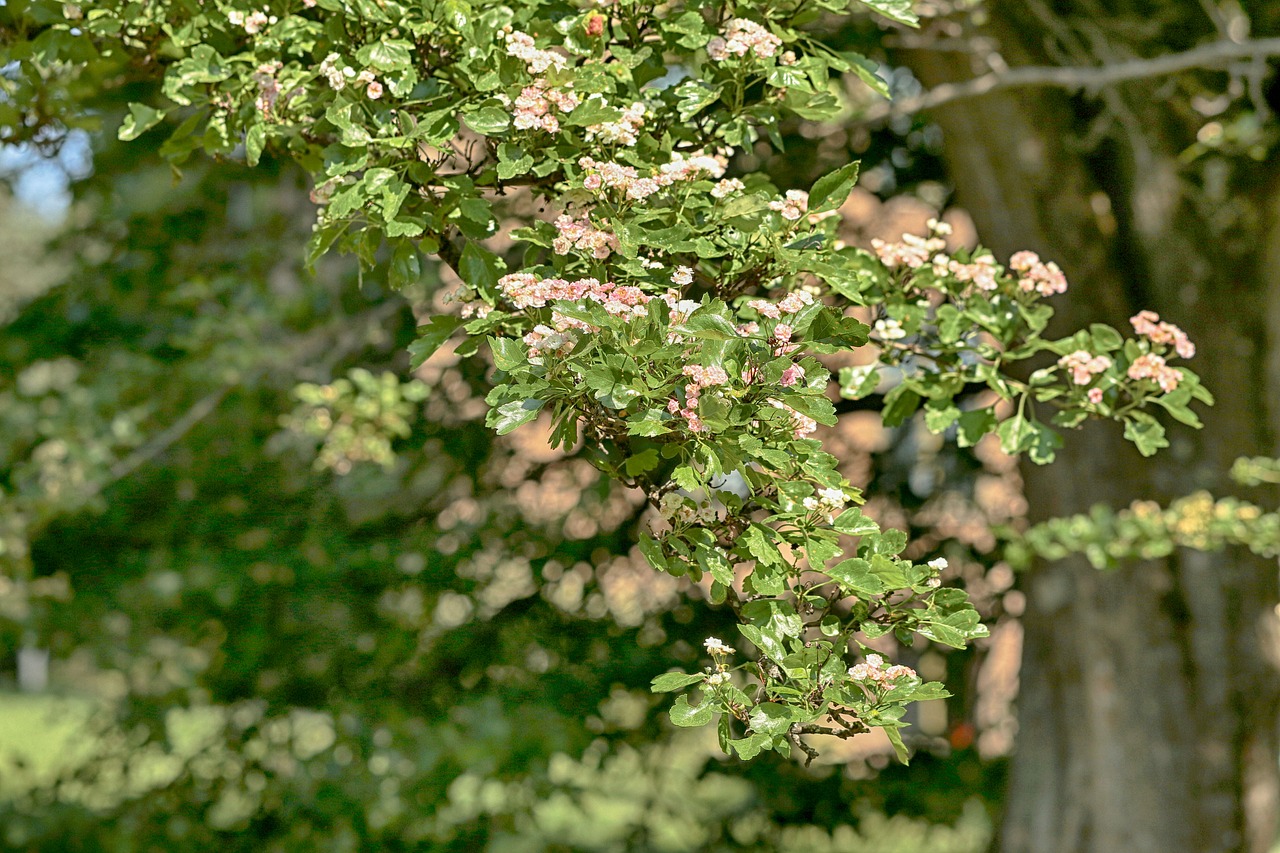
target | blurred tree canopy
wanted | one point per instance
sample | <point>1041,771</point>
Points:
<point>270,634</point>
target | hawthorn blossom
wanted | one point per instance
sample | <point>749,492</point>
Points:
<point>268,87</point>
<point>727,187</point>
<point>533,106</point>
<point>890,329</point>
<point>336,76</point>
<point>765,308</point>
<point>802,426</point>
<point>682,276</point>
<point>525,290</point>
<point>581,235</point>
<point>635,187</point>
<point>624,131</point>
<point>1153,367</point>
<point>791,376</point>
<point>828,502</point>
<point>792,206</point>
<point>373,90</point>
<point>740,37</point>
<point>1043,278</point>
<point>543,339</point>
<point>1095,395</point>
<point>1148,325</point>
<point>521,46</point>
<point>911,251</point>
<point>1084,365</point>
<point>794,301</point>
<point>716,647</point>
<point>874,673</point>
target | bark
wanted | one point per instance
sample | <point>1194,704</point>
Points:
<point>1149,699</point>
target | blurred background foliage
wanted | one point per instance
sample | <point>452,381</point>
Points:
<point>262,588</point>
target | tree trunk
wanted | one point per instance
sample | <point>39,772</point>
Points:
<point>1149,695</point>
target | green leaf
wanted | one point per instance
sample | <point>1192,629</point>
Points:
<point>855,576</point>
<point>507,353</point>
<point>894,10</point>
<point>480,268</point>
<point>672,681</point>
<point>1105,338</point>
<point>895,738</point>
<point>749,747</point>
<point>431,337</point>
<point>508,416</point>
<point>488,121</point>
<point>641,462</point>
<point>974,425</point>
<point>765,642</point>
<point>899,404</point>
<point>652,550</point>
<point>852,522</point>
<point>140,119</point>
<point>832,189</point>
<point>695,96</point>
<point>254,141</point>
<point>770,718</point>
<point>686,716</point>
<point>593,111</point>
<point>1145,433</point>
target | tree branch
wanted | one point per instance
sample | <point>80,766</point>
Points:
<point>1076,78</point>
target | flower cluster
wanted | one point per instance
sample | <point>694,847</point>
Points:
<point>1148,325</point>
<point>254,22</point>
<point>532,109</point>
<point>889,329</point>
<point>268,87</point>
<point>727,187</point>
<point>699,378</point>
<point>580,235</point>
<point>874,673</point>
<point>1084,365</point>
<point>1153,367</point>
<point>676,507</point>
<point>627,180</point>
<point>521,46</point>
<point>802,426</point>
<point>794,205</point>
<point>1036,275</point>
<point>911,251</point>
<point>544,339</point>
<point>624,131</point>
<point>740,37</point>
<point>828,502</point>
<point>716,647</point>
<point>525,290</point>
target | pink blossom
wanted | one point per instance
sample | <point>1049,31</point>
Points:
<point>1153,367</point>
<point>792,206</point>
<point>765,308</point>
<point>791,376</point>
<point>521,46</point>
<point>802,425</point>
<point>726,187</point>
<point>374,90</point>
<point>1084,365</point>
<point>794,301</point>
<point>740,37</point>
<point>580,235</point>
<point>1147,324</point>
<point>1095,395</point>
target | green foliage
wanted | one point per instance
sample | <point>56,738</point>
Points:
<point>670,317</point>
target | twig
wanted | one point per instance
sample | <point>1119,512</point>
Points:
<point>1076,78</point>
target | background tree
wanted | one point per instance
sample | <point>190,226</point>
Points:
<point>1148,698</point>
